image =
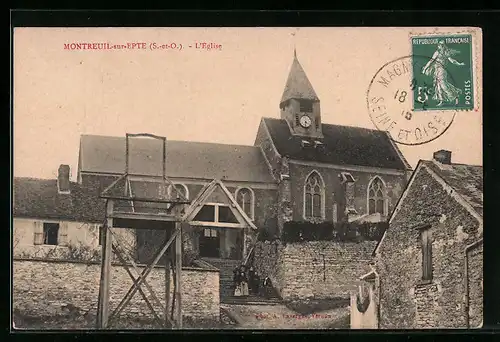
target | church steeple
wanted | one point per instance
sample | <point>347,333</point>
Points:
<point>298,85</point>
<point>299,103</point>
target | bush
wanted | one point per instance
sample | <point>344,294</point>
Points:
<point>297,231</point>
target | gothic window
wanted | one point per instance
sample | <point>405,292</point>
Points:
<point>376,197</point>
<point>245,199</point>
<point>181,189</point>
<point>313,196</point>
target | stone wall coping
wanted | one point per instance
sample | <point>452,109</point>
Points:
<point>202,267</point>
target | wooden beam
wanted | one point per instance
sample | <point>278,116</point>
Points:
<point>146,299</point>
<point>167,286</point>
<point>133,289</point>
<point>178,270</point>
<point>103,305</point>
<point>143,216</point>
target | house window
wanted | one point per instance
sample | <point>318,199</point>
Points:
<point>313,196</point>
<point>425,240</point>
<point>306,106</point>
<point>50,233</point>
<point>180,189</point>
<point>245,199</point>
<point>376,197</point>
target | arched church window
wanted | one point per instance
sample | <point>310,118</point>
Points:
<point>313,196</point>
<point>245,199</point>
<point>377,197</point>
<point>180,189</point>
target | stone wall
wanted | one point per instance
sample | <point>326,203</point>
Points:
<point>406,302</point>
<point>267,262</point>
<point>319,269</point>
<point>475,284</point>
<point>48,288</point>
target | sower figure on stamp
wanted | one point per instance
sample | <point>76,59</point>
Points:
<point>443,89</point>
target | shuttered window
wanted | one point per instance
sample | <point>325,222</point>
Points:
<point>425,236</point>
<point>38,236</point>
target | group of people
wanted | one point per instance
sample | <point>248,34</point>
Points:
<point>246,281</point>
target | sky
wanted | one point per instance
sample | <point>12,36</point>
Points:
<point>216,95</point>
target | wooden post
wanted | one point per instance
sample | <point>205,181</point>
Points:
<point>167,285</point>
<point>103,305</point>
<point>178,270</point>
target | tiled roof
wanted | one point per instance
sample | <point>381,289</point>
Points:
<point>105,154</point>
<point>39,198</point>
<point>298,85</point>
<point>342,145</point>
<point>466,180</point>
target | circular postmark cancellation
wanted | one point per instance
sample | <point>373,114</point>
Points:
<point>408,107</point>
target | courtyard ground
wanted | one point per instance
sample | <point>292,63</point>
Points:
<point>282,317</point>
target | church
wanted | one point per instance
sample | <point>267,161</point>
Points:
<point>299,169</point>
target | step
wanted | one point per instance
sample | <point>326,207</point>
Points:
<point>251,300</point>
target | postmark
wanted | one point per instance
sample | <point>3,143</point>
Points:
<point>390,101</point>
<point>433,87</point>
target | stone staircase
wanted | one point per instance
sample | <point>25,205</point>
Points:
<point>226,267</point>
<point>226,289</point>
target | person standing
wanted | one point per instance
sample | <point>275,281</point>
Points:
<point>251,280</point>
<point>244,280</point>
<point>237,282</point>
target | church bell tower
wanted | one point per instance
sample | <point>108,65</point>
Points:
<point>299,104</point>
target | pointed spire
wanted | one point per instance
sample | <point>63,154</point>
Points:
<point>298,85</point>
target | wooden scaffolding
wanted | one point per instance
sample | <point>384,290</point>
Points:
<point>123,204</point>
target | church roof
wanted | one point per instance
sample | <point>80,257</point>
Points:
<point>106,154</point>
<point>341,145</point>
<point>298,85</point>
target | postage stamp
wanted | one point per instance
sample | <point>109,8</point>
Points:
<point>391,107</point>
<point>445,82</point>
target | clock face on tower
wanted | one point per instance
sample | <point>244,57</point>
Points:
<point>305,121</point>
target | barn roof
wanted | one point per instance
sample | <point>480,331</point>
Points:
<point>106,154</point>
<point>466,180</point>
<point>39,198</point>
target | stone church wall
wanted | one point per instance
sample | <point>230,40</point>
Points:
<point>334,193</point>
<point>44,288</point>
<point>314,269</point>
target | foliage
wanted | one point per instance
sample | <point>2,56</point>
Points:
<point>298,231</point>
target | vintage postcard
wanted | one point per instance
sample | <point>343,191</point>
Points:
<point>247,178</point>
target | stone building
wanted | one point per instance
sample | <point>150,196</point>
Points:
<point>299,169</point>
<point>429,264</point>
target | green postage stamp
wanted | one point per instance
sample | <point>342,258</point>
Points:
<point>444,78</point>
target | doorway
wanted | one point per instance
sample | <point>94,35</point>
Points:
<point>209,243</point>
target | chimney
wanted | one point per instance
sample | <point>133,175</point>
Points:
<point>442,156</point>
<point>63,179</point>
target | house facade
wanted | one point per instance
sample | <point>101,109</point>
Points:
<point>299,169</point>
<point>429,264</point>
